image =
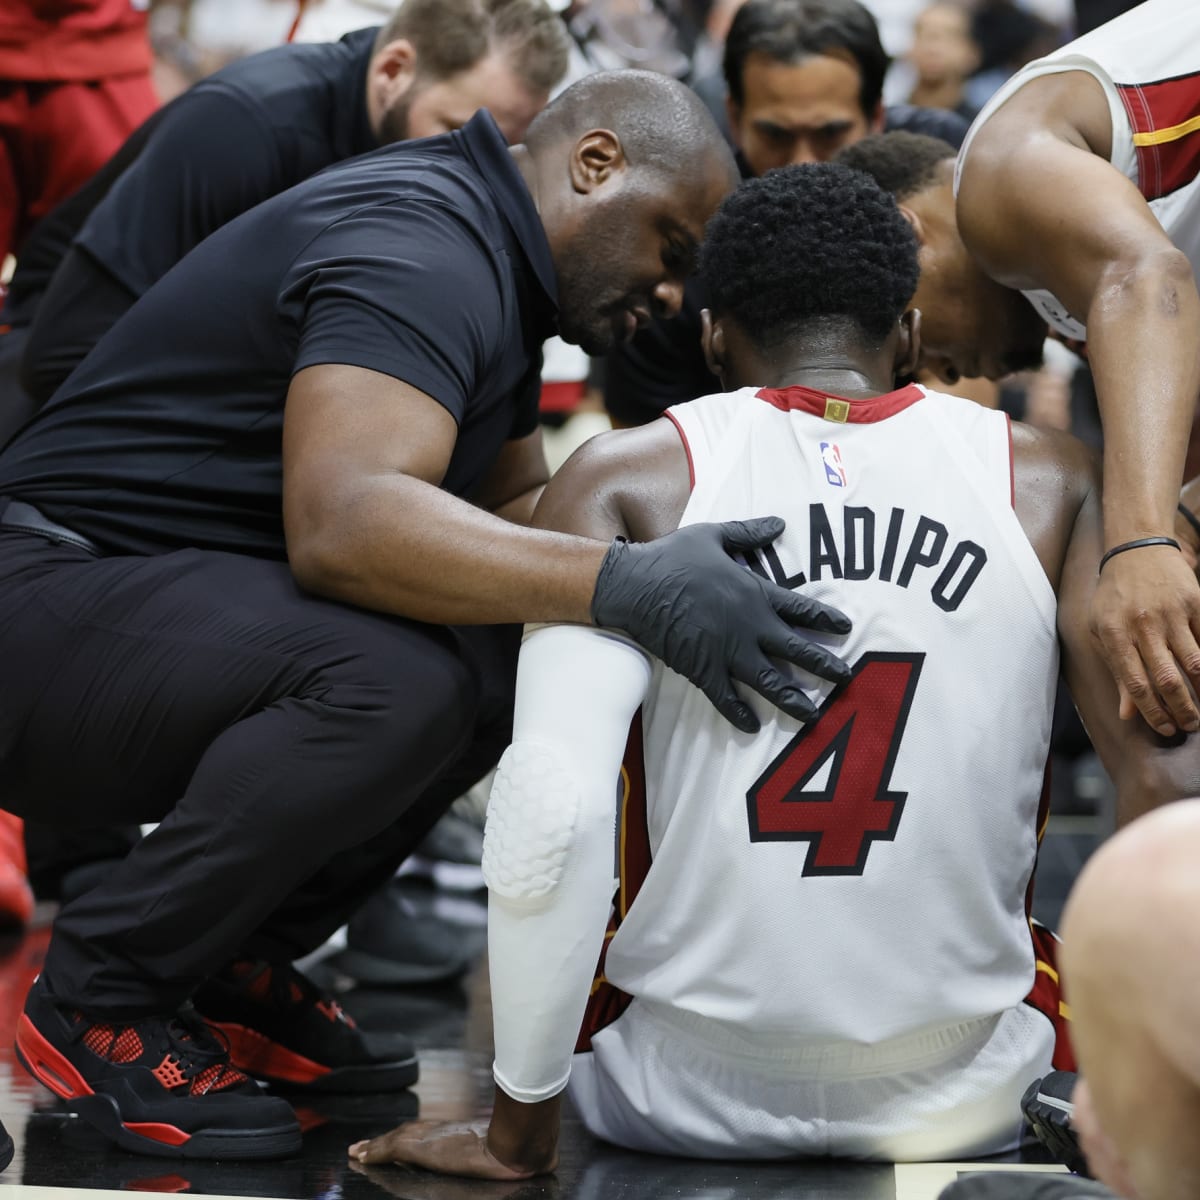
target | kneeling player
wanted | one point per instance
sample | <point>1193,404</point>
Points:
<point>820,941</point>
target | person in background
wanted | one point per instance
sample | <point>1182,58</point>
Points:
<point>803,78</point>
<point>257,128</point>
<point>943,55</point>
<point>74,83</point>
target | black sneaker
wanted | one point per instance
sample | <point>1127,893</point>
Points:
<point>282,1028</point>
<point>6,1148</point>
<point>155,1085</point>
<point>1048,1109</point>
<point>396,940</point>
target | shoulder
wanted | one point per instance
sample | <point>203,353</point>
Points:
<point>1056,481</point>
<point>1043,455</point>
<point>631,482</point>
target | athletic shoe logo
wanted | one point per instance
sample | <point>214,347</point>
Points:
<point>831,456</point>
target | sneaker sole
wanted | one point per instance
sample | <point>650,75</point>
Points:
<point>258,1055</point>
<point>1049,1117</point>
<point>55,1071</point>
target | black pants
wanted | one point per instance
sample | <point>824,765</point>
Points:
<point>294,750</point>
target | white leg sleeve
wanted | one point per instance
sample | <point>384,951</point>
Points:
<point>549,846</point>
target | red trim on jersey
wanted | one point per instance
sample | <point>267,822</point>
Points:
<point>687,449</point>
<point>1012,467</point>
<point>606,1002</point>
<point>1163,108</point>
<point>1046,993</point>
<point>861,412</point>
<point>1046,996</point>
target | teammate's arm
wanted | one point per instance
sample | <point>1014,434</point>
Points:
<point>1039,206</point>
<point>1147,769</point>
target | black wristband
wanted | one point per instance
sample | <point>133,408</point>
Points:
<point>1154,541</point>
<point>1189,516</point>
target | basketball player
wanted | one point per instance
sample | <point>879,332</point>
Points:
<point>820,942</point>
<point>1078,185</point>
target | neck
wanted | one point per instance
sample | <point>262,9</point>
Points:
<point>941,93</point>
<point>853,378</point>
<point>528,169</point>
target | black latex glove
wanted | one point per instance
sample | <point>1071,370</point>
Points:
<point>686,601</point>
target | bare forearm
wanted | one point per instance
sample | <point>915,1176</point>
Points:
<point>1143,330</point>
<point>404,546</point>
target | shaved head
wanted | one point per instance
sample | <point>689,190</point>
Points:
<point>1131,965</point>
<point>661,123</point>
<point>625,167</point>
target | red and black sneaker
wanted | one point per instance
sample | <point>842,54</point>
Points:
<point>282,1028</point>
<point>155,1085</point>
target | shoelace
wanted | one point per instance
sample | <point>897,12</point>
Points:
<point>288,987</point>
<point>199,1054</point>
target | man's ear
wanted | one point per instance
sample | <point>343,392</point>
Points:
<point>876,122</point>
<point>596,159</point>
<point>712,342</point>
<point>908,347</point>
<point>918,226</point>
<point>392,71</point>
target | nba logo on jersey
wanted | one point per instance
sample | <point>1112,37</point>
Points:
<point>831,456</point>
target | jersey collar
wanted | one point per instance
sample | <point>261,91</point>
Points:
<point>840,409</point>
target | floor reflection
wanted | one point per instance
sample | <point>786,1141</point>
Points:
<point>451,1025</point>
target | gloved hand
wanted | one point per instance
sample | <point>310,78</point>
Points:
<point>686,601</point>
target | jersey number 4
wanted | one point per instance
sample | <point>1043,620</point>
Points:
<point>856,737</point>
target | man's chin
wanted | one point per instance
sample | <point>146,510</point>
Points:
<point>594,341</point>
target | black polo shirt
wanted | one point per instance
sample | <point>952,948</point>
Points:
<point>423,260</point>
<point>248,132</point>
<point>664,365</point>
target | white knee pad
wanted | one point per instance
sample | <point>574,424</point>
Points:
<point>531,822</point>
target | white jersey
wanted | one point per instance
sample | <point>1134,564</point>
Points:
<point>1148,62</point>
<point>863,877</point>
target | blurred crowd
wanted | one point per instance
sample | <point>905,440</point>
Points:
<point>948,54</point>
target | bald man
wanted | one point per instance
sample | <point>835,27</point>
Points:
<point>1130,945</point>
<point>278,550</point>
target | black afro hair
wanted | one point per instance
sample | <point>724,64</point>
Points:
<point>901,163</point>
<point>805,245</point>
